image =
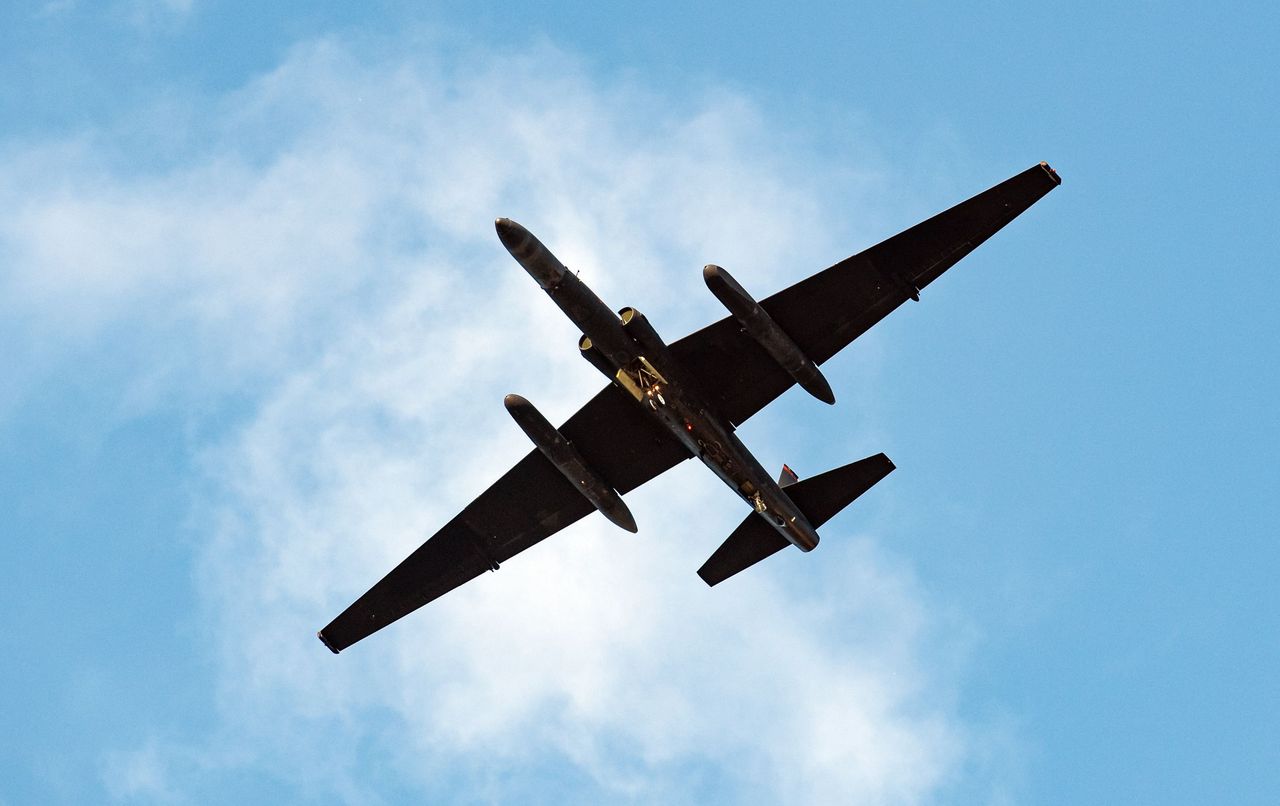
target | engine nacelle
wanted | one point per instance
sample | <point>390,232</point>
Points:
<point>635,325</point>
<point>758,324</point>
<point>647,375</point>
<point>594,357</point>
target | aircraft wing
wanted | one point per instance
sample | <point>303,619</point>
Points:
<point>833,307</point>
<point>532,501</point>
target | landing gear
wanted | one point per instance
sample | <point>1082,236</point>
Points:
<point>651,382</point>
<point>752,495</point>
<point>758,502</point>
<point>643,382</point>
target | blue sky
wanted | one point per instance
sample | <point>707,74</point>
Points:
<point>258,327</point>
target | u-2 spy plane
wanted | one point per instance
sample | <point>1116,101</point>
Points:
<point>668,402</point>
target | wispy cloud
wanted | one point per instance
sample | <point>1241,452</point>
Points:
<point>140,774</point>
<point>330,257</point>
<point>148,15</point>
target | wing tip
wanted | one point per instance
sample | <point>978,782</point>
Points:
<point>325,640</point>
<point>1057,180</point>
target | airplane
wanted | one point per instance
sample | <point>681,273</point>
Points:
<point>666,403</point>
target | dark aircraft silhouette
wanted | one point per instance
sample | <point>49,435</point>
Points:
<point>669,402</point>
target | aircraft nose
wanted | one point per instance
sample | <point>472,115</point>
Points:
<point>513,236</point>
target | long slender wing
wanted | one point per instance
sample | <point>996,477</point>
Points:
<point>833,307</point>
<point>530,502</point>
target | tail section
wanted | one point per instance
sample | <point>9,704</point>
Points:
<point>787,477</point>
<point>819,498</point>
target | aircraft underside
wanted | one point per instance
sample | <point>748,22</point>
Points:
<point>668,402</point>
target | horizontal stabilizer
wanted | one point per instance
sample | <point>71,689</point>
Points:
<point>751,542</point>
<point>819,498</point>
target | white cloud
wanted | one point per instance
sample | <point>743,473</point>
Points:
<point>147,15</point>
<point>331,255</point>
<point>139,774</point>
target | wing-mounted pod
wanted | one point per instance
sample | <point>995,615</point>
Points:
<point>756,321</point>
<point>561,453</point>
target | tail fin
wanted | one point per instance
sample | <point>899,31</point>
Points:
<point>819,498</point>
<point>787,477</point>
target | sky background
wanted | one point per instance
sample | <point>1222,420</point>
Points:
<point>256,329</point>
